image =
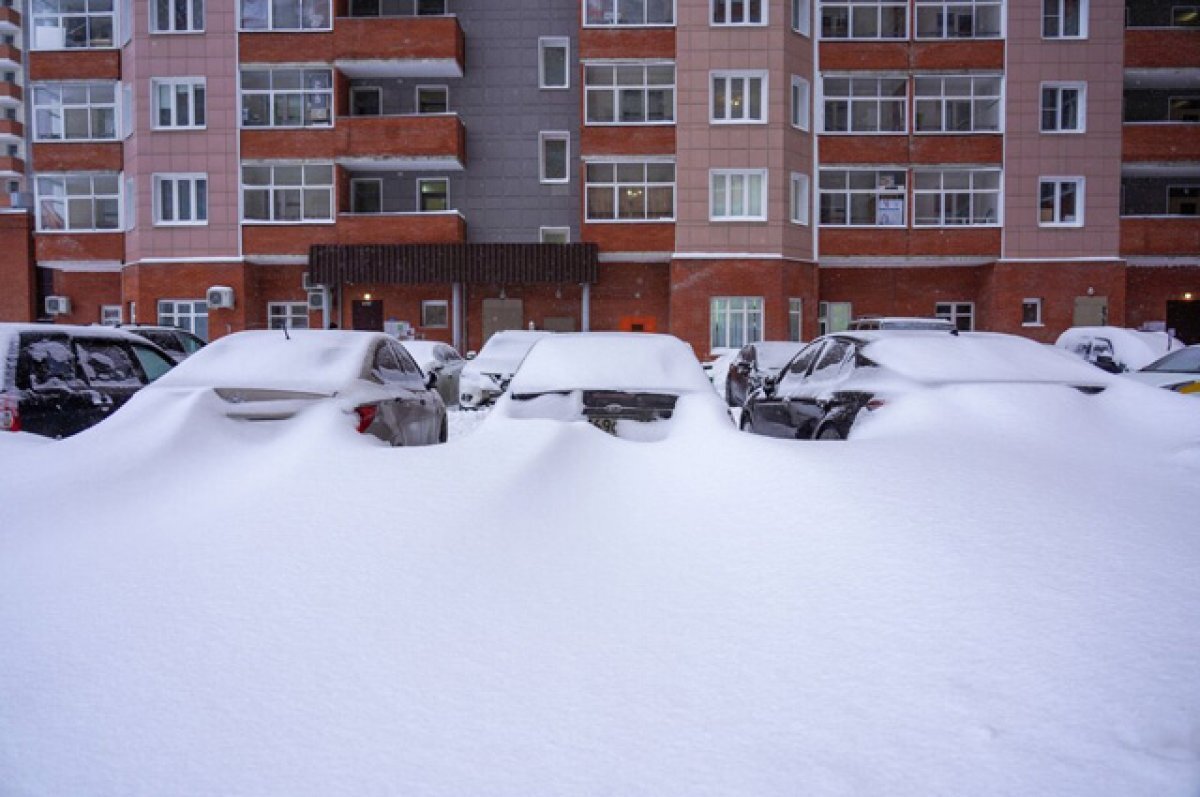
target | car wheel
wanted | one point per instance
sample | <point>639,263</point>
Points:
<point>828,431</point>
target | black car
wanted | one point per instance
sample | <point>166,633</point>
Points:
<point>58,380</point>
<point>179,344</point>
<point>753,363</point>
<point>834,380</point>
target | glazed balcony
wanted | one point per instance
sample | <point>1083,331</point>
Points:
<point>10,165</point>
<point>1160,209</point>
<point>11,92</point>
<point>10,20</point>
<point>10,57</point>
<point>11,129</point>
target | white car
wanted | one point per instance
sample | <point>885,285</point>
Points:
<point>273,375</point>
<point>442,361</point>
<point>631,385</point>
<point>1116,349</point>
<point>1178,371</point>
<point>485,377</point>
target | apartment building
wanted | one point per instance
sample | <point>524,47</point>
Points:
<point>725,170</point>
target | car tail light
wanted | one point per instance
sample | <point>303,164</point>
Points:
<point>875,404</point>
<point>366,416</point>
<point>10,414</point>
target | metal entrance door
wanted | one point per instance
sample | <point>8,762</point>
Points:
<point>367,314</point>
<point>1184,318</point>
<point>1090,311</point>
<point>501,314</point>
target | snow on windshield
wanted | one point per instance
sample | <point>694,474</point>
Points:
<point>1131,348</point>
<point>610,360</point>
<point>503,351</point>
<point>312,360</point>
<point>775,354</point>
<point>977,356</point>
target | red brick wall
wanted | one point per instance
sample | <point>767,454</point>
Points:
<point>909,291</point>
<point>1162,49</point>
<point>17,268</point>
<point>624,140</point>
<point>837,56</point>
<point>633,43</point>
<point>1057,285</point>
<point>696,282</point>
<point>146,284</point>
<point>87,291</point>
<point>958,56</point>
<point>1156,142</point>
<point>854,241</point>
<point>78,157</point>
<point>1151,287</point>
<point>64,65</point>
<point>1160,236</point>
<point>81,246</point>
<point>631,237</point>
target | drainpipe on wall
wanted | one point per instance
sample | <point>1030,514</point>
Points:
<point>456,329</point>
<point>585,315</point>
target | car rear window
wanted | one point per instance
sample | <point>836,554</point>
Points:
<point>107,364</point>
<point>47,363</point>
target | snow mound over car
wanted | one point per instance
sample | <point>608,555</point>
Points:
<point>610,361</point>
<point>1131,348</point>
<point>976,357</point>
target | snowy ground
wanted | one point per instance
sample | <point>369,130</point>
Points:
<point>989,592</point>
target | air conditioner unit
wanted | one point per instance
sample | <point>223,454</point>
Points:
<point>308,284</point>
<point>316,298</point>
<point>220,296</point>
<point>58,305</point>
<point>319,114</point>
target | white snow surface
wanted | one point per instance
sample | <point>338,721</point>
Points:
<point>610,360</point>
<point>319,360</point>
<point>986,592</point>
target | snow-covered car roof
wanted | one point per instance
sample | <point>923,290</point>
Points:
<point>1132,348</point>
<point>423,351</point>
<point>314,360</point>
<point>503,351</point>
<point>634,361</point>
<point>934,357</point>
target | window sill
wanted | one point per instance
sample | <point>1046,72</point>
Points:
<point>1031,326</point>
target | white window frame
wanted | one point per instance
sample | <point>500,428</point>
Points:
<point>427,304</point>
<point>801,198</point>
<point>270,18</point>
<point>802,17</point>
<point>1058,87</point>
<point>1037,303</point>
<point>795,319</point>
<point>282,315</point>
<point>880,191</point>
<point>617,89</point>
<point>189,7</point>
<point>801,103</point>
<point>724,182</point>
<point>955,312</point>
<point>185,314</point>
<point>194,102</point>
<point>422,181</point>
<point>949,10</point>
<point>1060,16</point>
<point>725,9</point>
<point>546,43</point>
<point>845,316</point>
<point>60,18</point>
<point>544,232</point>
<point>442,87</point>
<point>272,188</point>
<point>1080,186</point>
<point>110,315</point>
<point>193,180</point>
<point>544,138</point>
<point>863,7</point>
<point>359,180</point>
<point>974,189</point>
<point>746,77</point>
<point>852,100</point>
<point>41,197</point>
<point>308,98</point>
<point>635,187</point>
<point>750,309</point>
<point>610,17</point>
<point>977,97</point>
<point>59,108</point>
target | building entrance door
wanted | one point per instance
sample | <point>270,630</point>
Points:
<point>501,314</point>
<point>1184,318</point>
<point>1090,311</point>
<point>367,314</point>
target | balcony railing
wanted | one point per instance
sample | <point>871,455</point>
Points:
<point>440,136</point>
<point>445,226</point>
<point>1160,235</point>
<point>379,46</point>
<point>1160,141</point>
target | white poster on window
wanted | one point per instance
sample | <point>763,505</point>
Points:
<point>890,212</point>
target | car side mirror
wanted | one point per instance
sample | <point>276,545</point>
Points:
<point>471,355</point>
<point>431,379</point>
<point>769,383</point>
<point>1107,363</point>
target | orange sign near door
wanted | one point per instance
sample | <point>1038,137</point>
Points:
<point>638,323</point>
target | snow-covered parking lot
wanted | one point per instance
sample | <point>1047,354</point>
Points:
<point>989,591</point>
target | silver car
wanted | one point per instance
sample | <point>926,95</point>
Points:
<point>441,360</point>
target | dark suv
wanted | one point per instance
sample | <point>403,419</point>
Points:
<point>57,380</point>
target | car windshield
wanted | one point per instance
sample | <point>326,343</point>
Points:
<point>1185,361</point>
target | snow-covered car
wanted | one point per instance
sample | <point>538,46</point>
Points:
<point>866,323</point>
<point>632,385</point>
<point>485,377</point>
<point>838,379</point>
<point>1178,371</point>
<point>443,361</point>
<point>1116,349</point>
<point>273,375</point>
<point>57,380</point>
<point>179,344</point>
<point>753,363</point>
